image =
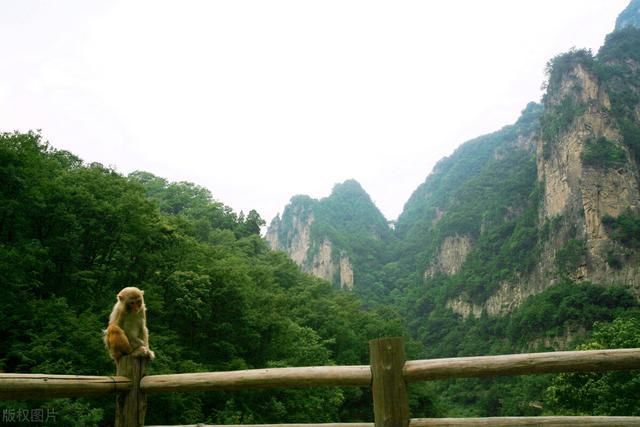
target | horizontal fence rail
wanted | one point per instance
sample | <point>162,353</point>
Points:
<point>44,386</point>
<point>417,370</point>
<point>387,361</point>
<point>520,364</point>
<point>526,421</point>
<point>260,378</point>
<point>448,422</point>
<point>274,425</point>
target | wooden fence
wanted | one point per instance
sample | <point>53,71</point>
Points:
<point>387,375</point>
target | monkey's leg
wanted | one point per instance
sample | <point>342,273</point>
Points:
<point>117,342</point>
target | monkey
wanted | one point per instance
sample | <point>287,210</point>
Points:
<point>127,333</point>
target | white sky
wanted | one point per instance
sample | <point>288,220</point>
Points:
<point>262,100</point>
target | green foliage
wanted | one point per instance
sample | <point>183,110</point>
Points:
<point>351,222</point>
<point>450,173</point>
<point>484,192</point>
<point>197,207</point>
<point>620,46</point>
<point>610,393</point>
<point>613,260</point>
<point>603,153</point>
<point>617,68</point>
<point>556,119</point>
<point>558,68</point>
<point>565,307</point>
<point>629,17</point>
<point>507,248</point>
<point>630,132</point>
<point>624,229</point>
<point>561,315</point>
<point>498,211</point>
<point>72,235</point>
<point>571,256</point>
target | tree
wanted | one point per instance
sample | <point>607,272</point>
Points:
<point>610,393</point>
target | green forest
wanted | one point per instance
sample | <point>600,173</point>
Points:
<point>73,234</point>
<point>489,190</point>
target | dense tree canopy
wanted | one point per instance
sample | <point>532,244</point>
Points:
<point>72,235</point>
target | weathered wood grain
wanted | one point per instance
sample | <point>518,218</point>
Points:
<point>46,386</point>
<point>527,421</point>
<point>274,425</point>
<point>259,378</point>
<point>520,364</point>
<point>390,401</point>
<point>447,422</point>
<point>131,406</point>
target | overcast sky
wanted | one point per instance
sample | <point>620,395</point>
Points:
<point>262,100</point>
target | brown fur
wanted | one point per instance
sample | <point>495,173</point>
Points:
<point>127,332</point>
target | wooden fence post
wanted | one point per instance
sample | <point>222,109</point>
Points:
<point>132,406</point>
<point>390,402</point>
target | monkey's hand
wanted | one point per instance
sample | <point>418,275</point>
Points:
<point>143,351</point>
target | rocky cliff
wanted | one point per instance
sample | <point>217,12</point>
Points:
<point>587,171</point>
<point>450,256</point>
<point>554,197</point>
<point>581,191</point>
<point>337,238</point>
<point>295,239</point>
<point>293,236</point>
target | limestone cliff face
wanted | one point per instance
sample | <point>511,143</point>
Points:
<point>508,214</point>
<point>508,297</point>
<point>561,170</point>
<point>576,197</point>
<point>452,254</point>
<point>346,272</point>
<point>295,239</point>
<point>338,238</point>
<point>323,265</point>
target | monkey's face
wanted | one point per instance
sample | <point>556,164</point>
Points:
<point>132,298</point>
<point>134,304</point>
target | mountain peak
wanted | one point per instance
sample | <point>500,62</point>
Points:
<point>349,187</point>
<point>630,17</point>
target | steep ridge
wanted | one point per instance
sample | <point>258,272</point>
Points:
<point>338,238</point>
<point>630,17</point>
<point>526,239</point>
<point>473,222</point>
<point>553,197</point>
<point>587,162</point>
<point>587,173</point>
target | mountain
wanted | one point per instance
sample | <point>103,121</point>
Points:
<point>553,197</point>
<point>525,239</point>
<point>72,235</point>
<point>338,238</point>
<point>585,187</point>
<point>630,17</point>
<point>472,223</point>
